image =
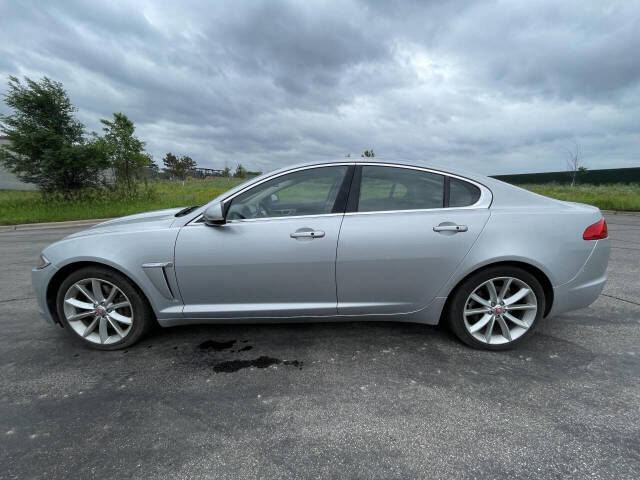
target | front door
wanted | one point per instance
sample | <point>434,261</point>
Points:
<point>274,257</point>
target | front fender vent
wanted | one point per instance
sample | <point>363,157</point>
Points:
<point>158,276</point>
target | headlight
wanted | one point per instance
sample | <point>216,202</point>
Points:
<point>43,262</point>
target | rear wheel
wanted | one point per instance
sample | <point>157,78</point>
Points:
<point>496,308</point>
<point>103,309</point>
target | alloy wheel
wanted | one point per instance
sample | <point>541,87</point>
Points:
<point>500,310</point>
<point>98,311</point>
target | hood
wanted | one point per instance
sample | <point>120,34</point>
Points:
<point>140,221</point>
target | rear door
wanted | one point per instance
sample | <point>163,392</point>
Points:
<point>405,232</point>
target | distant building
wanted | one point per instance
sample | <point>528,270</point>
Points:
<point>8,181</point>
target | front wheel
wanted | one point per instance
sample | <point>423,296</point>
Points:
<point>496,308</point>
<point>103,309</point>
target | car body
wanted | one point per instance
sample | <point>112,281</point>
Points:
<point>335,241</point>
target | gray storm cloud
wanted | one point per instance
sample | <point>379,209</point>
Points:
<point>496,87</point>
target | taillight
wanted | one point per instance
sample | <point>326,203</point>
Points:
<point>596,231</point>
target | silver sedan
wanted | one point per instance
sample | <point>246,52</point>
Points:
<point>333,241</point>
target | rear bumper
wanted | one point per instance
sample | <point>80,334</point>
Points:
<point>585,287</point>
<point>40,278</point>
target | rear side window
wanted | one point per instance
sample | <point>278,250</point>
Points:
<point>462,194</point>
<point>390,188</point>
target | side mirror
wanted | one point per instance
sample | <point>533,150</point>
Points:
<point>214,215</point>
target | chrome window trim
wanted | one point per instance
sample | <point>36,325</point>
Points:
<point>249,220</point>
<point>484,202</point>
<point>243,220</point>
<point>414,210</point>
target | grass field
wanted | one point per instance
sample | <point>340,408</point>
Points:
<point>606,197</point>
<point>20,206</point>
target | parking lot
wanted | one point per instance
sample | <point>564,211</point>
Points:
<point>367,400</point>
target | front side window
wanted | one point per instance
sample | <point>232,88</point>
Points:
<point>391,188</point>
<point>305,192</point>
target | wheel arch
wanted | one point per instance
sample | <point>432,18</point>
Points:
<point>68,269</point>
<point>546,284</point>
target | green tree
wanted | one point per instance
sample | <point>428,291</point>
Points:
<point>178,166</point>
<point>124,150</point>
<point>152,164</point>
<point>240,172</point>
<point>47,144</point>
<point>368,154</point>
<point>226,172</point>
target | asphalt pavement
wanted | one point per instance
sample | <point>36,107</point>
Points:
<point>348,400</point>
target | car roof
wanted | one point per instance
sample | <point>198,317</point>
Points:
<point>490,183</point>
<point>376,160</point>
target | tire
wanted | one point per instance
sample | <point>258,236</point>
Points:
<point>483,326</point>
<point>103,326</point>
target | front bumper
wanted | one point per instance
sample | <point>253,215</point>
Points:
<point>40,278</point>
<point>587,285</point>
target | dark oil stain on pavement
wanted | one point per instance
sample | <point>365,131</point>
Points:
<point>212,345</point>
<point>231,366</point>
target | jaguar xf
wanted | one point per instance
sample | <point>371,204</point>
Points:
<point>333,241</point>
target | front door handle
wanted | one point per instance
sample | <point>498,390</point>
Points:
<point>450,228</point>
<point>307,234</point>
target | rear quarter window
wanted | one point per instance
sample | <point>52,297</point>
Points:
<point>462,194</point>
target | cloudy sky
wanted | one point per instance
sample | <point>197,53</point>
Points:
<point>496,86</point>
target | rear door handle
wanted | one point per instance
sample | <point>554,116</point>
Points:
<point>307,234</point>
<point>450,228</point>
